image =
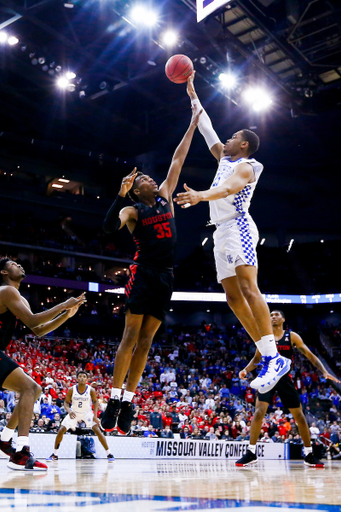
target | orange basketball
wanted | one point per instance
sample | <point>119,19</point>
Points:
<point>179,68</point>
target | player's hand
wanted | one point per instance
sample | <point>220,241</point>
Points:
<point>327,375</point>
<point>188,198</point>
<point>127,182</point>
<point>72,302</point>
<point>242,374</point>
<point>196,113</point>
<point>71,312</point>
<point>72,415</point>
<point>190,87</point>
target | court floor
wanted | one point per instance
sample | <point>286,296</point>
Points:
<point>153,485</point>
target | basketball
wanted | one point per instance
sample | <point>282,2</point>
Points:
<point>178,68</point>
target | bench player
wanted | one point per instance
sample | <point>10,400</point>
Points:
<point>286,341</point>
<point>149,289</point>
<point>236,237</point>
<point>12,377</point>
<point>82,397</point>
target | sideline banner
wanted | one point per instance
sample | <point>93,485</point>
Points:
<point>206,7</point>
<point>158,448</point>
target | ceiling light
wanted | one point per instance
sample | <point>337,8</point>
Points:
<point>227,79</point>
<point>169,38</point>
<point>62,82</point>
<point>13,40</point>
<point>204,241</point>
<point>258,98</point>
<point>63,180</point>
<point>3,36</point>
<point>70,75</point>
<point>142,16</point>
<point>56,185</point>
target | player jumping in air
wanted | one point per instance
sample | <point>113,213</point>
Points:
<point>13,306</point>
<point>82,397</point>
<point>236,237</point>
<point>285,341</point>
<point>149,289</point>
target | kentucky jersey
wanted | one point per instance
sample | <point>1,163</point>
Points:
<point>81,402</point>
<point>284,346</point>
<point>7,325</point>
<point>155,235</point>
<point>234,205</point>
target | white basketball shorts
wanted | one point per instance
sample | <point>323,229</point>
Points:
<point>234,245</point>
<point>72,423</point>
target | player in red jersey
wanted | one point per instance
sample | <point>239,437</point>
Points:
<point>285,341</point>
<point>149,289</point>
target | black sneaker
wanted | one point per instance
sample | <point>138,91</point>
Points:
<point>247,459</point>
<point>6,447</point>
<point>125,418</point>
<point>312,461</point>
<point>109,417</point>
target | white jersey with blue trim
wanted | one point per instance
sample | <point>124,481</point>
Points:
<point>81,402</point>
<point>234,205</point>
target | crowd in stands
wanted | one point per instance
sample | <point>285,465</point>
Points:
<point>190,386</point>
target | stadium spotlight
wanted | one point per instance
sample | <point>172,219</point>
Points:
<point>258,98</point>
<point>13,40</point>
<point>228,80</point>
<point>3,36</point>
<point>142,16</point>
<point>62,82</point>
<point>169,38</point>
<point>70,75</point>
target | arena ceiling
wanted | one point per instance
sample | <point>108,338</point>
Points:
<point>121,104</point>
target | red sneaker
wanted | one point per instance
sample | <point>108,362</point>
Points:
<point>6,447</point>
<point>25,461</point>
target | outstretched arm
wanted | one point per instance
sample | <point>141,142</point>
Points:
<point>302,347</point>
<point>117,216</point>
<point>169,185</point>
<point>205,126</point>
<point>242,176</point>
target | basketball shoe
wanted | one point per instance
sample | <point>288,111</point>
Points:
<point>6,447</point>
<point>273,370</point>
<point>109,417</point>
<point>247,459</point>
<point>312,461</point>
<point>110,457</point>
<point>125,418</point>
<point>25,461</point>
<point>52,458</point>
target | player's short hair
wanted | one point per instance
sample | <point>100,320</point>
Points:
<point>3,263</point>
<point>253,140</point>
<point>131,194</point>
<point>280,312</point>
<point>82,371</point>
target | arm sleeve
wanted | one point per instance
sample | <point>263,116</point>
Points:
<point>205,127</point>
<point>112,222</point>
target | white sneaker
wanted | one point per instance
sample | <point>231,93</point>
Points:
<point>273,370</point>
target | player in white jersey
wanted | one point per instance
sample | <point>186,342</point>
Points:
<point>236,237</point>
<point>81,397</point>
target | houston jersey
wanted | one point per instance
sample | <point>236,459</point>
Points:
<point>155,235</point>
<point>284,346</point>
<point>81,402</point>
<point>234,205</point>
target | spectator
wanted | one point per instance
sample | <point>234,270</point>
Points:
<point>156,419</point>
<point>167,433</point>
<point>266,438</point>
<point>314,432</point>
<point>185,434</point>
<point>150,432</point>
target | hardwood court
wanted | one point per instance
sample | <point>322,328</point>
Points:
<point>149,485</point>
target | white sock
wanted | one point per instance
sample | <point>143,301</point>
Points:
<point>7,434</point>
<point>252,448</point>
<point>307,450</point>
<point>56,451</point>
<point>116,393</point>
<point>128,396</point>
<point>267,345</point>
<point>107,452</point>
<point>21,442</point>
